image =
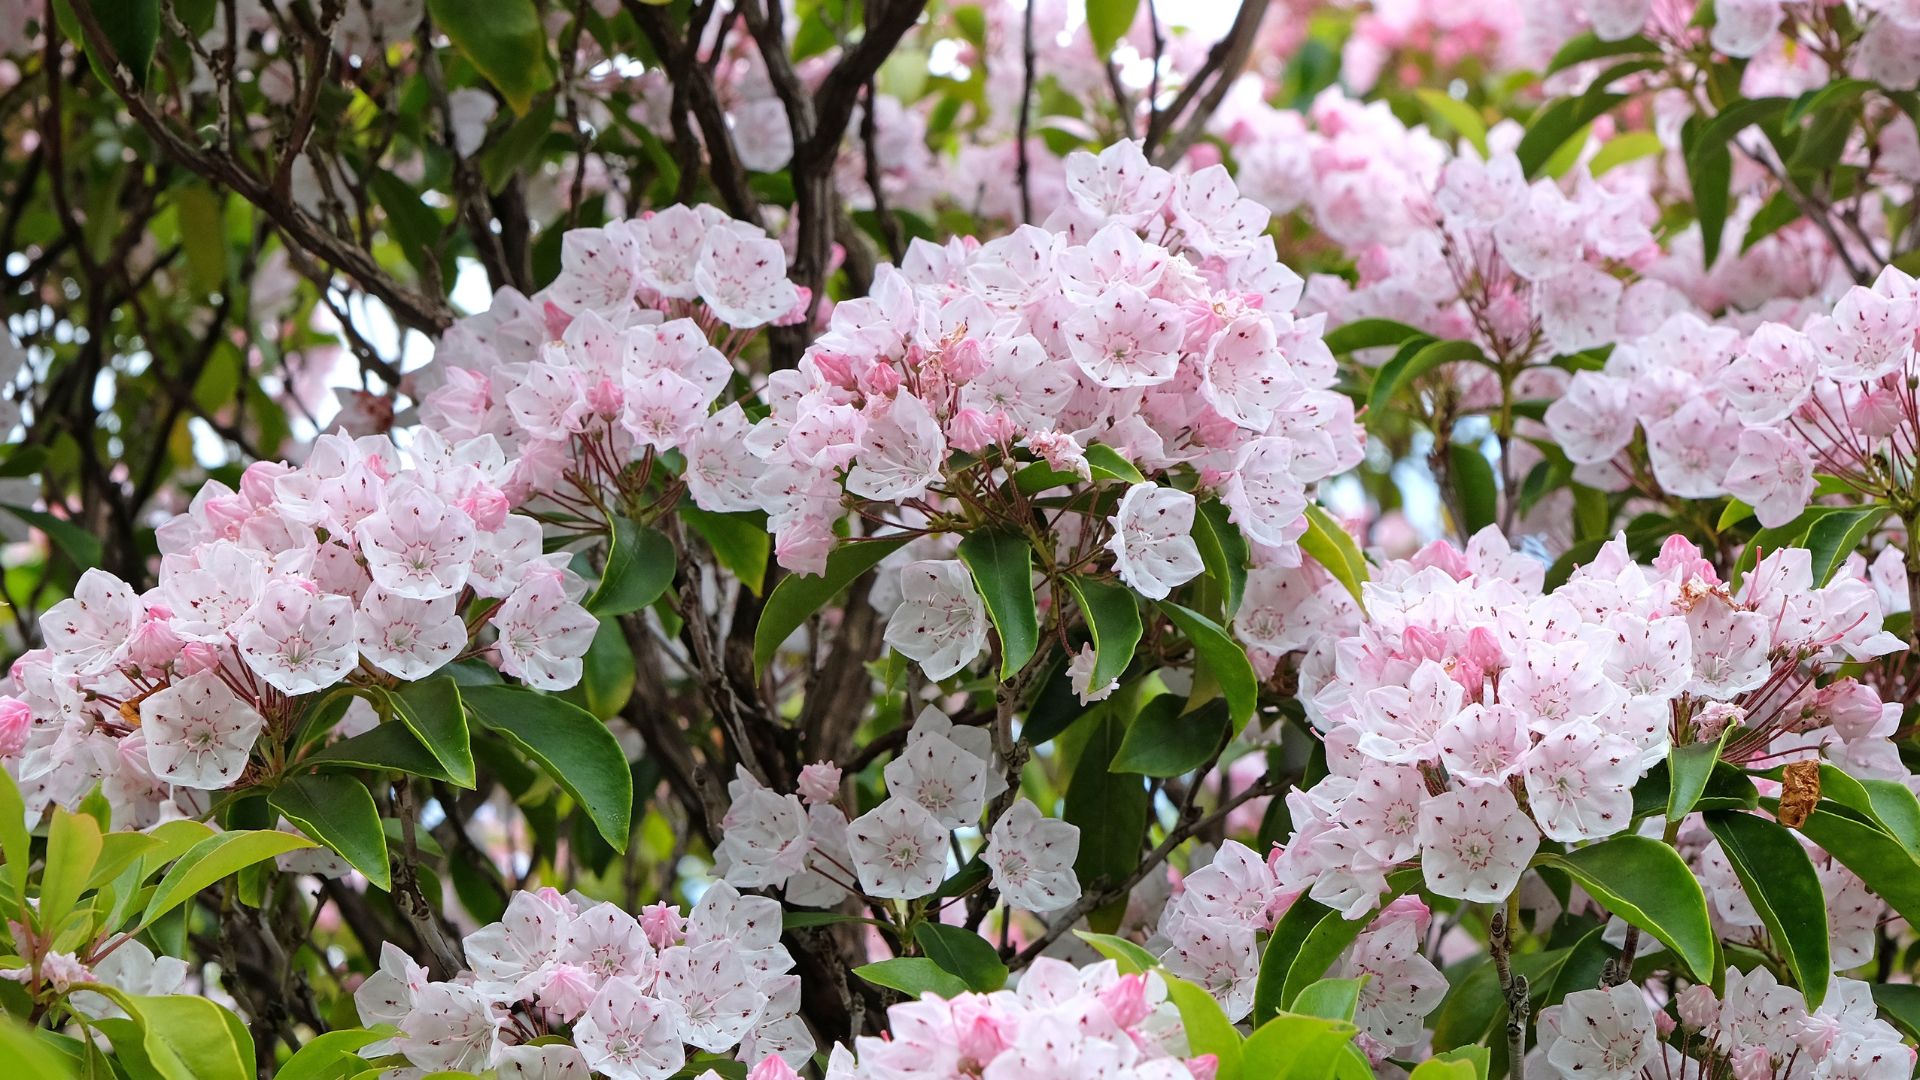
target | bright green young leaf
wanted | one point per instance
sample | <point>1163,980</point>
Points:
<point>28,1055</point>
<point>571,744</point>
<point>1164,741</point>
<point>1206,1024</point>
<point>321,1057</point>
<point>640,566</point>
<point>212,859</point>
<point>433,712</point>
<point>1462,117</point>
<point>1444,1068</point>
<point>16,844</point>
<point>1218,655</point>
<point>913,976</point>
<point>73,846</point>
<point>1001,563</point>
<point>505,40</point>
<point>1649,885</point>
<point>962,952</point>
<point>1108,22</point>
<point>338,811</point>
<point>1784,889</point>
<point>1106,464</point>
<point>1326,543</point>
<point>1293,1047</point>
<point>1329,999</point>
<point>189,1037</point>
<point>1623,148</point>
<point>1113,617</point>
<point>795,599</point>
<point>1131,958</point>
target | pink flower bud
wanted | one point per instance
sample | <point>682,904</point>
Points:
<point>662,925</point>
<point>1680,555</point>
<point>1698,1008</point>
<point>796,314</point>
<point>1752,1063</point>
<point>487,506</point>
<point>836,368</point>
<point>1204,1067</point>
<point>1446,557</point>
<point>978,1027</point>
<point>772,1067</point>
<point>1126,1000</point>
<point>820,783</point>
<point>880,381</point>
<point>1664,1024</point>
<point>153,644</point>
<point>196,657</point>
<point>256,483</point>
<point>16,720</point>
<point>606,398</point>
<point>970,431</point>
<point>1853,710</point>
<point>566,990</point>
<point>966,360</point>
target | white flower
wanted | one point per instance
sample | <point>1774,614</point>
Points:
<point>1604,1034</point>
<point>406,637</point>
<point>1031,856</point>
<point>944,779</point>
<point>899,850</point>
<point>1475,844</point>
<point>629,1036</point>
<point>298,640</point>
<point>940,622</point>
<point>198,733</point>
<point>1152,542</point>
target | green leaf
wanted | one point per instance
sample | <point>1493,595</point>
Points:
<point>1108,22</point>
<point>505,40</point>
<point>1164,741</point>
<point>795,599</point>
<point>1207,1028</point>
<point>1219,656</point>
<point>204,239</point>
<point>77,544</point>
<point>1329,999</point>
<point>913,976</point>
<point>1900,1002</point>
<point>1224,551</point>
<point>1459,115</point>
<point>1109,808</point>
<point>1585,47</point>
<point>16,844</point>
<point>964,953</point>
<point>187,1037</point>
<point>1371,334</point>
<point>1326,543</point>
<point>320,1057</point>
<point>1473,482</point>
<point>414,226</point>
<point>1292,1047</point>
<point>740,542</point>
<point>1416,358</point>
<point>1439,1068</point>
<point>433,712</point>
<point>571,744</point>
<point>1304,944</point>
<point>132,27</point>
<point>1785,890</point>
<point>1623,148</point>
<point>1131,958</point>
<point>1001,563</point>
<point>640,565</point>
<point>1889,869</point>
<point>1710,174</point>
<point>1557,122</point>
<point>27,1054</point>
<point>1649,885</point>
<point>516,146</point>
<point>1105,463</point>
<point>1838,535</point>
<point>73,846</point>
<point>339,812</point>
<point>1113,617</point>
<point>1688,769</point>
<point>212,859</point>
<point>387,747</point>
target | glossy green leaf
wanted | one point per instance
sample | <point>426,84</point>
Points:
<point>1457,114</point>
<point>571,744</point>
<point>1219,656</point>
<point>77,544</point>
<point>1709,175</point>
<point>795,599</point>
<point>962,952</point>
<point>132,27</point>
<point>640,566</point>
<point>73,846</point>
<point>433,712</point>
<point>16,844</point>
<point>1471,475</point>
<point>214,858</point>
<point>1001,563</point>
<point>1371,334</point>
<point>1586,46</point>
<point>913,976</point>
<point>1326,543</point>
<point>1411,363</point>
<point>1784,888</point>
<point>1131,958</point>
<point>1304,945</point>
<point>740,542</point>
<point>1649,885</point>
<point>1330,999</point>
<point>1206,1025</point>
<point>321,1057</point>
<point>1224,552</point>
<point>1105,463</point>
<point>1889,869</point>
<point>1557,122</point>
<point>1837,535</point>
<point>386,747</point>
<point>1113,617</point>
<point>1293,1047</point>
<point>27,1053</point>
<point>1109,808</point>
<point>1689,767</point>
<point>1900,1003</point>
<point>505,40</point>
<point>188,1037</point>
<point>1164,741</point>
<point>339,812</point>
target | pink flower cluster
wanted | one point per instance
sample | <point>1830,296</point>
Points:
<point>1058,1021</point>
<point>1467,688</point>
<point>622,357</point>
<point>353,567</point>
<point>941,781</point>
<point>1756,416</point>
<point>629,994</point>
